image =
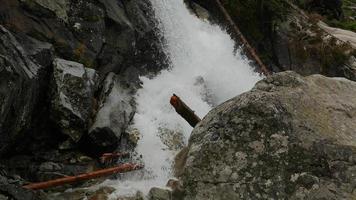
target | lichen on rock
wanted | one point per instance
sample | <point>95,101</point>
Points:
<point>291,137</point>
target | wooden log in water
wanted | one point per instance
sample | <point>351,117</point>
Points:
<point>248,48</point>
<point>82,177</point>
<point>183,110</point>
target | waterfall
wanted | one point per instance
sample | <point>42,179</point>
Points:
<point>204,71</point>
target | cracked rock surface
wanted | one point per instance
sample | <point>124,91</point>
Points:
<point>288,138</point>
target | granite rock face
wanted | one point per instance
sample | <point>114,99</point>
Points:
<point>54,59</point>
<point>10,188</point>
<point>288,138</point>
<point>105,36</point>
<point>108,35</point>
<point>73,97</point>
<point>21,84</point>
<point>115,113</point>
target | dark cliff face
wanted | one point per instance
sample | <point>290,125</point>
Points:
<point>54,59</point>
<point>22,73</point>
<point>107,35</point>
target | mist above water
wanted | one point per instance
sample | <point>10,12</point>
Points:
<point>204,71</point>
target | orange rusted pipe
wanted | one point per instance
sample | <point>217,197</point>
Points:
<point>183,110</point>
<point>87,176</point>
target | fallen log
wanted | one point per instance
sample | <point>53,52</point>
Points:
<point>183,110</point>
<point>82,177</point>
<point>251,53</point>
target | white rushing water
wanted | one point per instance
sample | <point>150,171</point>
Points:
<point>202,62</point>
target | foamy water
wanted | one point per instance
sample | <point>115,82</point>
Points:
<point>204,68</point>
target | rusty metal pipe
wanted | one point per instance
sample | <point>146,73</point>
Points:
<point>87,176</point>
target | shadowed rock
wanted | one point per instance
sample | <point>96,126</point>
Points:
<point>21,83</point>
<point>116,110</point>
<point>73,97</point>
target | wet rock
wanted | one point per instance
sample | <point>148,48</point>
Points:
<point>50,165</point>
<point>87,24</point>
<point>291,137</point>
<point>199,11</point>
<point>172,139</point>
<point>180,160</point>
<point>350,69</point>
<point>116,110</point>
<point>134,136</point>
<point>10,190</point>
<point>83,193</point>
<point>108,35</point>
<point>130,39</point>
<point>59,7</point>
<point>178,192</point>
<point>115,11</point>
<point>102,194</point>
<point>73,97</point>
<point>160,194</point>
<point>138,196</point>
<point>21,85</point>
<point>40,52</point>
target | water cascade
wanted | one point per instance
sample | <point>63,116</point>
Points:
<point>204,71</point>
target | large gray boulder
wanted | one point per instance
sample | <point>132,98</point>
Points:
<point>21,84</point>
<point>116,110</point>
<point>291,137</point>
<point>73,97</point>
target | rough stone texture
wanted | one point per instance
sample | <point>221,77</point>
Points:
<point>73,97</point>
<point>296,41</point>
<point>21,84</point>
<point>103,35</point>
<point>197,10</point>
<point>116,110</point>
<point>157,193</point>
<point>292,42</point>
<point>49,165</point>
<point>289,138</point>
<point>109,35</point>
<point>10,189</point>
<point>102,193</point>
<point>350,69</point>
<point>59,7</point>
<point>343,35</point>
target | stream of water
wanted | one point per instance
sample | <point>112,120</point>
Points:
<point>205,71</point>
